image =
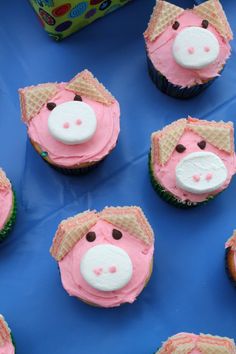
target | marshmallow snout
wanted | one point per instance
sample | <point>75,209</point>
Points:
<point>195,48</point>
<point>106,267</point>
<point>72,122</point>
<point>201,172</point>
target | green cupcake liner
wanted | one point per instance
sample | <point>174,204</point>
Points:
<point>168,197</point>
<point>10,223</point>
<point>174,90</point>
<point>228,272</point>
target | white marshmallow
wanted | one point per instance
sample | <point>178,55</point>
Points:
<point>195,48</point>
<point>201,172</point>
<point>106,267</point>
<point>72,122</point>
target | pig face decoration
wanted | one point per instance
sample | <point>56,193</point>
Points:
<point>192,160</point>
<point>105,258</point>
<point>6,345</point>
<point>190,46</point>
<point>72,124</point>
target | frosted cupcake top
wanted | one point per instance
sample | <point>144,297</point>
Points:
<point>190,343</point>
<point>105,258</point>
<point>194,159</point>
<point>6,198</point>
<point>188,47</point>
<point>72,123</point>
<point>6,346</point>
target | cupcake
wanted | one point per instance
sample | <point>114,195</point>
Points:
<point>192,160</point>
<point>6,344</point>
<point>230,257</point>
<point>190,343</point>
<point>187,49</point>
<point>105,258</point>
<point>72,125</point>
<point>8,206</point>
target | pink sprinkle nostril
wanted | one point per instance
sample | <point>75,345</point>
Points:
<point>78,122</point>
<point>209,176</point>
<point>191,50</point>
<point>98,271</point>
<point>112,269</point>
<point>66,125</point>
<point>207,49</point>
<point>196,178</point>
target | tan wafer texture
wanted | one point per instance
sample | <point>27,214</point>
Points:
<point>33,98</point>
<point>70,231</point>
<point>86,84</point>
<point>184,343</point>
<point>5,333</point>
<point>219,134</point>
<point>164,14</point>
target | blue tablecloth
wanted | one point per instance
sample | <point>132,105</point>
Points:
<point>188,290</point>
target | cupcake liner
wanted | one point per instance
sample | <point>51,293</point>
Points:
<point>227,267</point>
<point>10,223</point>
<point>170,198</point>
<point>173,90</point>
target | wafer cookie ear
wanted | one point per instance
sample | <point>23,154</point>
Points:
<point>130,219</point>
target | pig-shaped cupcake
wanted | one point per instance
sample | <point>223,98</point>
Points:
<point>72,125</point>
<point>105,258</point>
<point>190,343</point>
<point>187,49</point>
<point>6,345</point>
<point>192,160</point>
<point>8,206</point>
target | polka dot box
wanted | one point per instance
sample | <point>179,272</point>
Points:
<point>61,18</point>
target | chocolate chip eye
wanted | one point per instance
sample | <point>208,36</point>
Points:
<point>78,98</point>
<point>175,25</point>
<point>180,148</point>
<point>202,144</point>
<point>116,234</point>
<point>51,106</point>
<point>91,236</point>
<point>205,24</point>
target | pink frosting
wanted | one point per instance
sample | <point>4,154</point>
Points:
<point>103,141</point>
<point>166,174</point>
<point>139,253</point>
<point>6,201</point>
<point>160,53</point>
<point>8,348</point>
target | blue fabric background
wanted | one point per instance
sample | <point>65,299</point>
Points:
<point>188,290</point>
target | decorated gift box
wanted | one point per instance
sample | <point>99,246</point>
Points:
<point>61,18</point>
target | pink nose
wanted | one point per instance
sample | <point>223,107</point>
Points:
<point>196,178</point>
<point>98,271</point>
<point>112,269</point>
<point>66,125</point>
<point>207,49</point>
<point>191,50</point>
<point>78,122</point>
<point>209,176</point>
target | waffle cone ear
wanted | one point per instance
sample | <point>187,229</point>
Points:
<point>164,14</point>
<point>85,84</point>
<point>181,343</point>
<point>165,141</point>
<point>4,181</point>
<point>131,220</point>
<point>212,11</point>
<point>208,344</point>
<point>70,231</point>
<point>33,98</point>
<point>219,134</point>
<point>5,333</point>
